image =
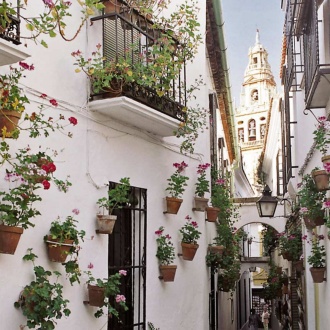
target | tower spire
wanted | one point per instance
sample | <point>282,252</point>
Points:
<point>257,37</point>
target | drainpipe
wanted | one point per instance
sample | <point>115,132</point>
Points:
<point>220,24</point>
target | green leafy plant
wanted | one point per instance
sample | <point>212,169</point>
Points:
<point>117,197</point>
<point>317,257</point>
<point>228,277</point>
<point>269,239</point>
<point>67,230</point>
<point>202,184</point>
<point>322,135</point>
<point>310,199</point>
<point>190,233</point>
<point>290,242</point>
<point>274,282</point>
<point>177,182</point>
<point>165,249</point>
<point>42,301</point>
<point>112,296</point>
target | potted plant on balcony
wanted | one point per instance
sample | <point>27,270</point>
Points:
<point>165,254</point>
<point>202,187</point>
<point>106,293</point>
<point>117,198</point>
<point>176,187</point>
<point>317,258</point>
<point>42,301</point>
<point>12,100</point>
<point>311,202</point>
<point>190,235</point>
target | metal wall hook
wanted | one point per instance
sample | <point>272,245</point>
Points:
<point>310,110</point>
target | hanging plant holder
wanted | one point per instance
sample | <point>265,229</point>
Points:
<point>167,272</point>
<point>216,249</point>
<point>105,223</point>
<point>173,205</point>
<point>200,204</point>
<point>212,214</point>
<point>321,179</point>
<point>9,238</point>
<point>58,251</point>
<point>188,251</point>
<point>317,274</point>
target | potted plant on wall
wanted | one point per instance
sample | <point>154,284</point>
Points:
<point>176,187</point>
<point>317,258</point>
<point>42,300</point>
<point>311,202</point>
<point>290,244</point>
<point>106,293</point>
<point>322,138</point>
<point>62,241</point>
<point>117,198</point>
<point>165,254</point>
<point>202,187</point>
<point>190,235</point>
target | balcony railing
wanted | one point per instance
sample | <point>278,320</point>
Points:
<point>128,35</point>
<point>11,31</point>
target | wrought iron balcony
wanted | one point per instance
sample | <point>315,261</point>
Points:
<point>129,35</point>
<point>10,26</point>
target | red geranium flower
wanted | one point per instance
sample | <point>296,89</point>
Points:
<point>53,102</point>
<point>73,121</point>
<point>46,184</point>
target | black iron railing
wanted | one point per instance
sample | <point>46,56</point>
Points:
<point>128,35</point>
<point>10,26</point>
<point>311,45</point>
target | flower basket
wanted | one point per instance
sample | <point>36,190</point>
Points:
<point>321,179</point>
<point>58,251</point>
<point>189,251</point>
<point>9,119</point>
<point>200,204</point>
<point>212,214</point>
<point>105,223</point>
<point>317,274</point>
<point>167,272</point>
<point>216,249</point>
<point>9,238</point>
<point>173,205</point>
<point>96,295</point>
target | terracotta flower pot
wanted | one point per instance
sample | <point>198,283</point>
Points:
<point>298,265</point>
<point>167,272</point>
<point>325,159</point>
<point>200,204</point>
<point>9,119</point>
<point>9,238</point>
<point>112,6</point>
<point>105,223</point>
<point>216,249</point>
<point>212,214</point>
<point>189,250</point>
<point>309,223</point>
<point>173,205</point>
<point>321,179</point>
<point>96,295</point>
<point>58,251</point>
<point>317,274</point>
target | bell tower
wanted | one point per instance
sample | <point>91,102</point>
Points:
<point>258,90</point>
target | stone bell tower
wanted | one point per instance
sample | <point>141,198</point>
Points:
<point>258,89</point>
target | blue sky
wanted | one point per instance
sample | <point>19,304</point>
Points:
<point>241,20</point>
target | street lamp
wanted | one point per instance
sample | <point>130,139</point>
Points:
<point>266,204</point>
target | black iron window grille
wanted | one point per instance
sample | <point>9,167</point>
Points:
<point>10,26</point>
<point>130,36</point>
<point>127,251</point>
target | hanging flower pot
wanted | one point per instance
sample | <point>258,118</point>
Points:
<point>287,255</point>
<point>105,223</point>
<point>167,272</point>
<point>58,251</point>
<point>112,6</point>
<point>200,204</point>
<point>325,160</point>
<point>309,223</point>
<point>216,249</point>
<point>321,179</point>
<point>212,214</point>
<point>9,119</point>
<point>298,265</point>
<point>9,238</point>
<point>96,295</point>
<point>189,250</point>
<point>173,205</point>
<point>317,274</point>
